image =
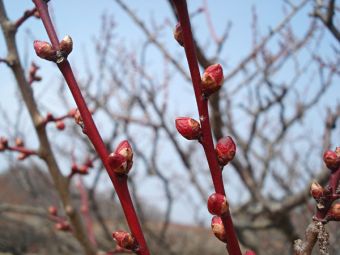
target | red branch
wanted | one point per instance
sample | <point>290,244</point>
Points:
<point>119,181</point>
<point>202,105</point>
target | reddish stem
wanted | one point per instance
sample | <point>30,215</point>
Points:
<point>202,105</point>
<point>119,182</point>
<point>27,14</point>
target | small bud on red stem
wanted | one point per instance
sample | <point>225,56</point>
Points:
<point>52,210</point>
<point>60,125</point>
<point>45,50</point>
<point>225,150</point>
<point>66,46</point>
<point>217,204</point>
<point>332,159</point>
<point>316,190</point>
<point>212,79</point>
<point>218,228</point>
<point>178,34</point>
<point>188,128</point>
<point>125,240</point>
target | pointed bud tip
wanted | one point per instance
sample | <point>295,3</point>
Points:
<point>118,163</point>
<point>212,79</point>
<point>66,45</point>
<point>218,228</point>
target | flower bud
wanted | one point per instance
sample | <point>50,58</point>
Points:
<point>52,210</point>
<point>316,190</point>
<point>124,149</point>
<point>225,150</point>
<point>125,240</point>
<point>212,79</point>
<point>63,226</point>
<point>60,125</point>
<point>218,229</point>
<point>178,34</point>
<point>66,46</point>
<point>334,212</point>
<point>217,204</point>
<point>118,163</point>
<point>3,143</point>
<point>45,50</point>
<point>78,119</point>
<point>83,170</point>
<point>188,128</point>
<point>250,253</point>
<point>332,160</point>
<point>19,142</point>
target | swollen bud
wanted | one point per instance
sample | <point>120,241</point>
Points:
<point>212,79</point>
<point>66,46</point>
<point>250,253</point>
<point>118,163</point>
<point>225,150</point>
<point>316,190</point>
<point>125,149</point>
<point>218,229</point>
<point>19,142</point>
<point>178,34</point>
<point>217,204</point>
<point>45,50</point>
<point>60,125</point>
<point>188,128</point>
<point>334,212</point>
<point>125,240</point>
<point>332,159</point>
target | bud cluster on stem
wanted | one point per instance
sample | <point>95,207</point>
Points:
<point>18,147</point>
<point>210,82</point>
<point>58,52</point>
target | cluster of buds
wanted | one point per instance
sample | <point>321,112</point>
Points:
<point>225,150</point>
<point>59,122</point>
<point>3,143</point>
<point>188,128</point>
<point>178,34</point>
<point>125,240</point>
<point>218,204</point>
<point>218,228</point>
<point>33,73</point>
<point>81,169</point>
<point>332,159</point>
<point>20,143</point>
<point>121,159</point>
<point>212,79</point>
<point>46,51</point>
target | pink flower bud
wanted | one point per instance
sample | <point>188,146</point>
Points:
<point>331,159</point>
<point>3,143</point>
<point>83,170</point>
<point>125,149</point>
<point>125,240</point>
<point>217,204</point>
<point>72,112</point>
<point>118,163</point>
<point>45,50</point>
<point>66,45</point>
<point>316,190</point>
<point>225,150</point>
<point>52,210</point>
<point>78,119</point>
<point>250,253</point>
<point>218,229</point>
<point>19,142</point>
<point>178,34</point>
<point>212,79</point>
<point>334,212</point>
<point>60,125</point>
<point>188,128</point>
<point>62,226</point>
